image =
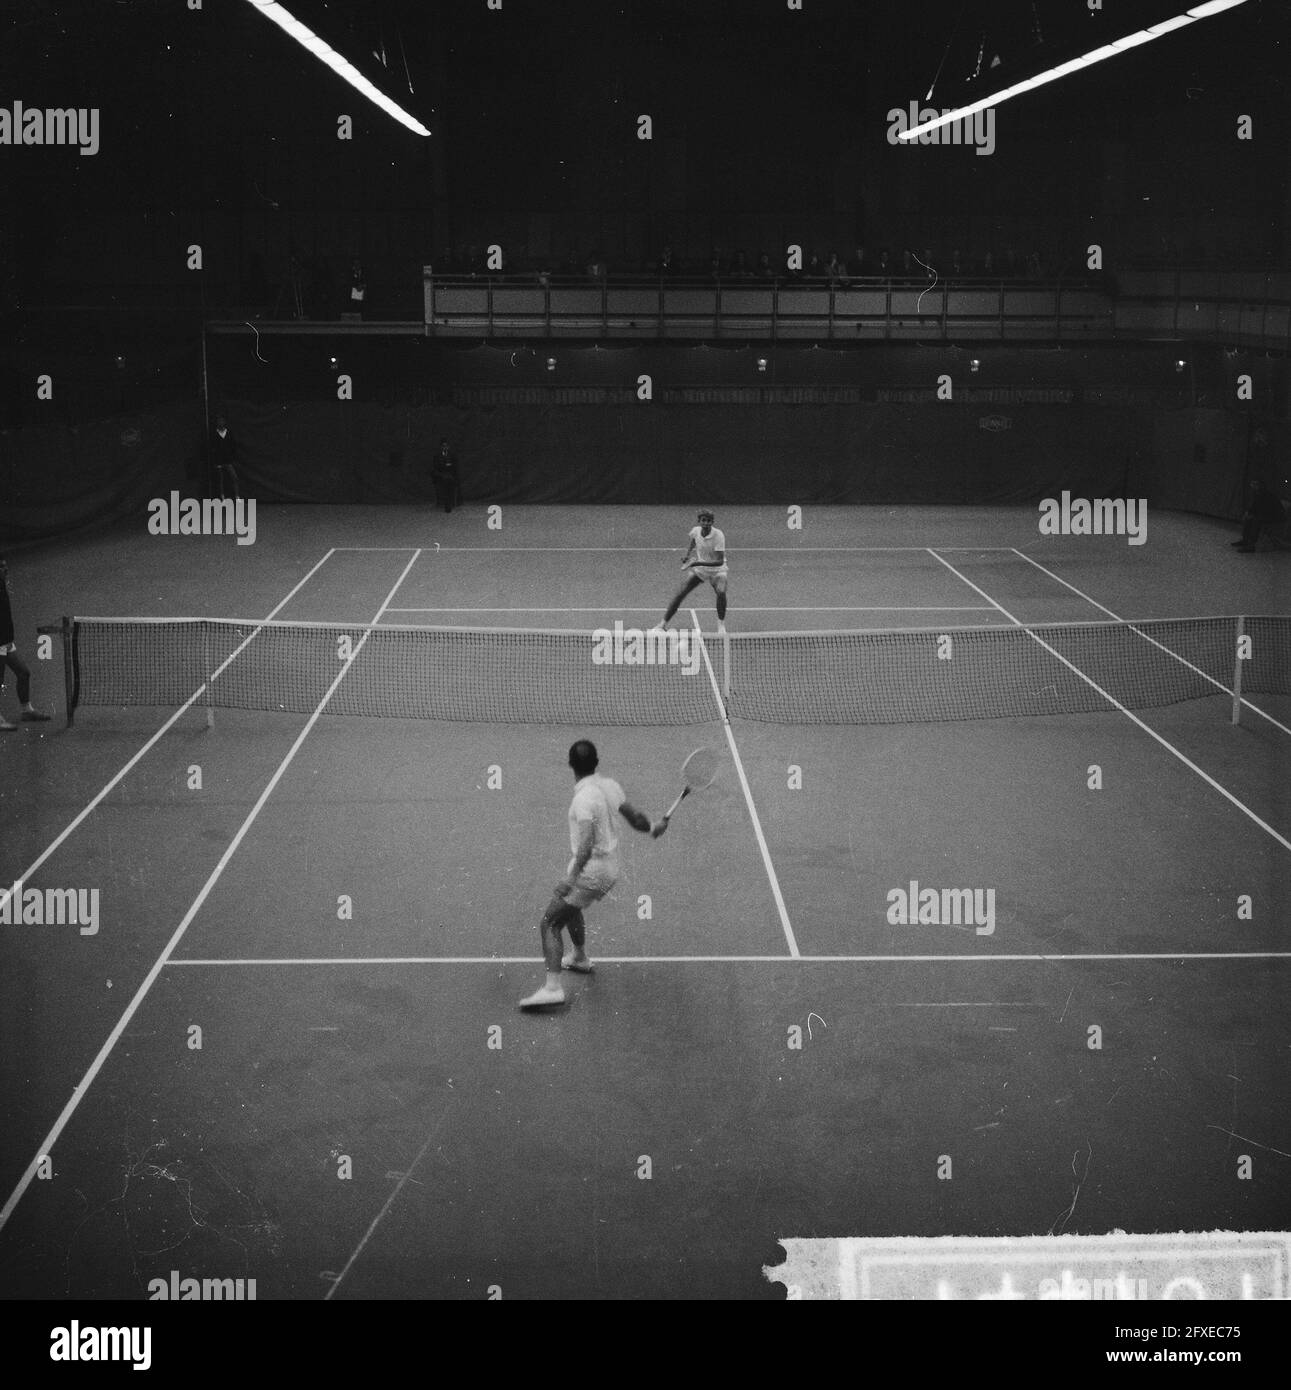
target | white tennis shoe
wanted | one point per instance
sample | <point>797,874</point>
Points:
<point>542,998</point>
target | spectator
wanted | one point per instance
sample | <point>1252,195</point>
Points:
<point>739,267</point>
<point>765,271</point>
<point>907,263</point>
<point>1035,267</point>
<point>223,452</point>
<point>860,266</point>
<point>715,265</point>
<point>988,263</point>
<point>957,262</point>
<point>885,263</point>
<point>596,268</point>
<point>358,290</point>
<point>666,265</point>
<point>1264,513</point>
<point>815,268</point>
<point>445,477</point>
<point>292,289</point>
<point>835,269</point>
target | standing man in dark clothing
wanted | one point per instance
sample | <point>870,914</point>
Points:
<point>1264,513</point>
<point>223,448</point>
<point>444,475</point>
<point>10,660</point>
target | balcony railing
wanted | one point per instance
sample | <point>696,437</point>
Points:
<point>1246,307</point>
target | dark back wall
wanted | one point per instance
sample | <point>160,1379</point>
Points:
<point>819,425</point>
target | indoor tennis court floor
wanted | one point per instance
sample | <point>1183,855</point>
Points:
<point>291,1051</point>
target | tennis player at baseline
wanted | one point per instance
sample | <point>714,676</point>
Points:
<point>706,560</point>
<point>592,872</point>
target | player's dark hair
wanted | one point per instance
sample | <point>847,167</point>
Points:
<point>583,757</point>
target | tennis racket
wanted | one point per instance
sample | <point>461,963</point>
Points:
<point>697,772</point>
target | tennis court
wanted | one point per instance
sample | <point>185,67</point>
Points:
<point>346,906</point>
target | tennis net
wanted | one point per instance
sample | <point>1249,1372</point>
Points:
<point>534,676</point>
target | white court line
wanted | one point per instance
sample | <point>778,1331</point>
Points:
<point>673,549</point>
<point>629,608</point>
<point>1147,729</point>
<point>54,844</point>
<point>80,1090</point>
<point>732,960</point>
<point>748,796</point>
<point>1088,955</point>
<point>459,960</point>
<point>1219,685</point>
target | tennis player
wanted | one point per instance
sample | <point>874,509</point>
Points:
<point>592,872</point>
<point>706,562</point>
<point>10,659</point>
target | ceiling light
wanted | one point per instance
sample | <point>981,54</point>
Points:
<point>325,53</point>
<point>1096,55</point>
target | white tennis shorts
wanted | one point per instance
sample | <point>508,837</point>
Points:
<point>711,572</point>
<point>597,879</point>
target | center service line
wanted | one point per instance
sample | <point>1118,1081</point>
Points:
<point>748,796</point>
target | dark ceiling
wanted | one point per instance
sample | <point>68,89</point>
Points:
<point>534,106</point>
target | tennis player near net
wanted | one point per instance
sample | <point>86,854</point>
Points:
<point>592,872</point>
<point>9,658</point>
<point>706,561</point>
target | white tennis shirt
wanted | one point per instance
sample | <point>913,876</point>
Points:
<point>596,801</point>
<point>708,547</point>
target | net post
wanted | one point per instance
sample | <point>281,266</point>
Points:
<point>69,668</point>
<point>726,668</point>
<point>1237,671</point>
<point>63,630</point>
<point>206,675</point>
